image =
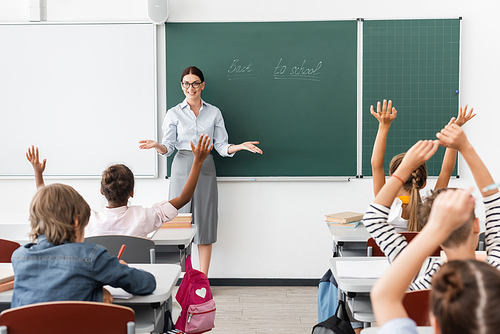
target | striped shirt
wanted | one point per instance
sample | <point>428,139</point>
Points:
<point>393,243</point>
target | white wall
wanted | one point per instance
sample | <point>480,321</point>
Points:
<point>277,229</point>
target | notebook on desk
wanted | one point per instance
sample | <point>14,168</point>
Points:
<point>371,269</point>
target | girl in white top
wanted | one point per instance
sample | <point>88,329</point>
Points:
<point>403,214</point>
<point>117,185</point>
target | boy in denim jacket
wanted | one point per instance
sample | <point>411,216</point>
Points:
<point>60,266</point>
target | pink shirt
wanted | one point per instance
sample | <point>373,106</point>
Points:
<point>130,220</point>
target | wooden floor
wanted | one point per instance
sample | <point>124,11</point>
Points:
<point>259,310</point>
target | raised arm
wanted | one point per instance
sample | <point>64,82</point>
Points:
<point>38,167</point>
<point>450,156</point>
<point>385,116</point>
<point>454,137</point>
<point>148,143</point>
<point>200,152</point>
<point>449,210</point>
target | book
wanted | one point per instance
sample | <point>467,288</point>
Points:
<point>344,217</point>
<point>346,225</point>
<point>176,225</point>
<point>7,286</point>
<point>6,275</point>
<point>183,220</point>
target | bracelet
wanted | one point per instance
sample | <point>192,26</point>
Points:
<point>397,177</point>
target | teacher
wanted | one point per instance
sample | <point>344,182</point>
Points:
<point>186,122</point>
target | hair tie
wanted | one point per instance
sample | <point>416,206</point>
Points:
<point>397,177</point>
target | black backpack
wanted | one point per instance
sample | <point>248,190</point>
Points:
<point>335,324</point>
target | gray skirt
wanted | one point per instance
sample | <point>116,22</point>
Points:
<point>204,204</point>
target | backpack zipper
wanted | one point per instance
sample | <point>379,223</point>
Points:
<point>190,315</point>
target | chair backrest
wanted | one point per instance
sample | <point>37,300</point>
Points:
<point>481,245</point>
<point>7,247</point>
<point>376,251</point>
<point>417,305</point>
<point>137,250</point>
<point>68,317</point>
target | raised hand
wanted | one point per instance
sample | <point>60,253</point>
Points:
<point>202,150</point>
<point>419,153</point>
<point>33,157</point>
<point>386,114</point>
<point>463,116</point>
<point>453,136</point>
<point>451,209</point>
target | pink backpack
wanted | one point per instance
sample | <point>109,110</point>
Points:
<point>195,297</point>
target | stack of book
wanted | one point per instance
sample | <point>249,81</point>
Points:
<point>6,279</point>
<point>344,219</point>
<point>183,220</point>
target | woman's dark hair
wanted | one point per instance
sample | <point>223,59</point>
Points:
<point>465,297</point>
<point>413,184</point>
<point>117,184</point>
<point>193,70</point>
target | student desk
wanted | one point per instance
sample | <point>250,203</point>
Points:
<point>150,309</point>
<point>356,291</point>
<point>349,241</point>
<point>420,330</point>
<point>172,244</point>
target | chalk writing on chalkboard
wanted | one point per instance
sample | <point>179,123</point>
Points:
<point>302,72</point>
<point>238,71</point>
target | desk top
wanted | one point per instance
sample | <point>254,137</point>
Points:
<point>16,232</point>
<point>166,277</point>
<point>174,236</point>
<point>353,284</point>
<point>420,330</point>
<point>357,234</point>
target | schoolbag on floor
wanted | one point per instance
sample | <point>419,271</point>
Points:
<point>335,324</point>
<point>327,296</point>
<point>195,297</point>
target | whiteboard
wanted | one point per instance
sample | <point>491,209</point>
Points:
<point>84,94</point>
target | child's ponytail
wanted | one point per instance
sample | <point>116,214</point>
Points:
<point>413,184</point>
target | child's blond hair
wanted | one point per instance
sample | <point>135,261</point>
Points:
<point>53,213</point>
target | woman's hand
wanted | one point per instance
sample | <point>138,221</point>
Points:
<point>33,158</point>
<point>385,115</point>
<point>248,146</point>
<point>148,143</point>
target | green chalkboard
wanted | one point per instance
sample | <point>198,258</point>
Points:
<point>415,63</point>
<point>289,85</point>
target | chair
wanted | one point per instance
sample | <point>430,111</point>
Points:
<point>372,248</point>
<point>7,247</point>
<point>417,305</point>
<point>138,250</point>
<point>68,317</point>
<point>481,244</point>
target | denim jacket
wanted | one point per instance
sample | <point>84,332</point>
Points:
<point>44,272</point>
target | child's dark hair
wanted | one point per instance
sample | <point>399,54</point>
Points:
<point>413,184</point>
<point>117,184</point>
<point>457,237</point>
<point>193,70</point>
<point>53,212</point>
<point>465,297</point>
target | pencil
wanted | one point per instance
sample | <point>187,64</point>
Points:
<point>122,248</point>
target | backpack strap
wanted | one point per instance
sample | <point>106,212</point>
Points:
<point>189,265</point>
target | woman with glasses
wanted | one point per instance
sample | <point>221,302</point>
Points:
<point>186,122</point>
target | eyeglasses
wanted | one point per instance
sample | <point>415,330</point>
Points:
<point>193,84</point>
